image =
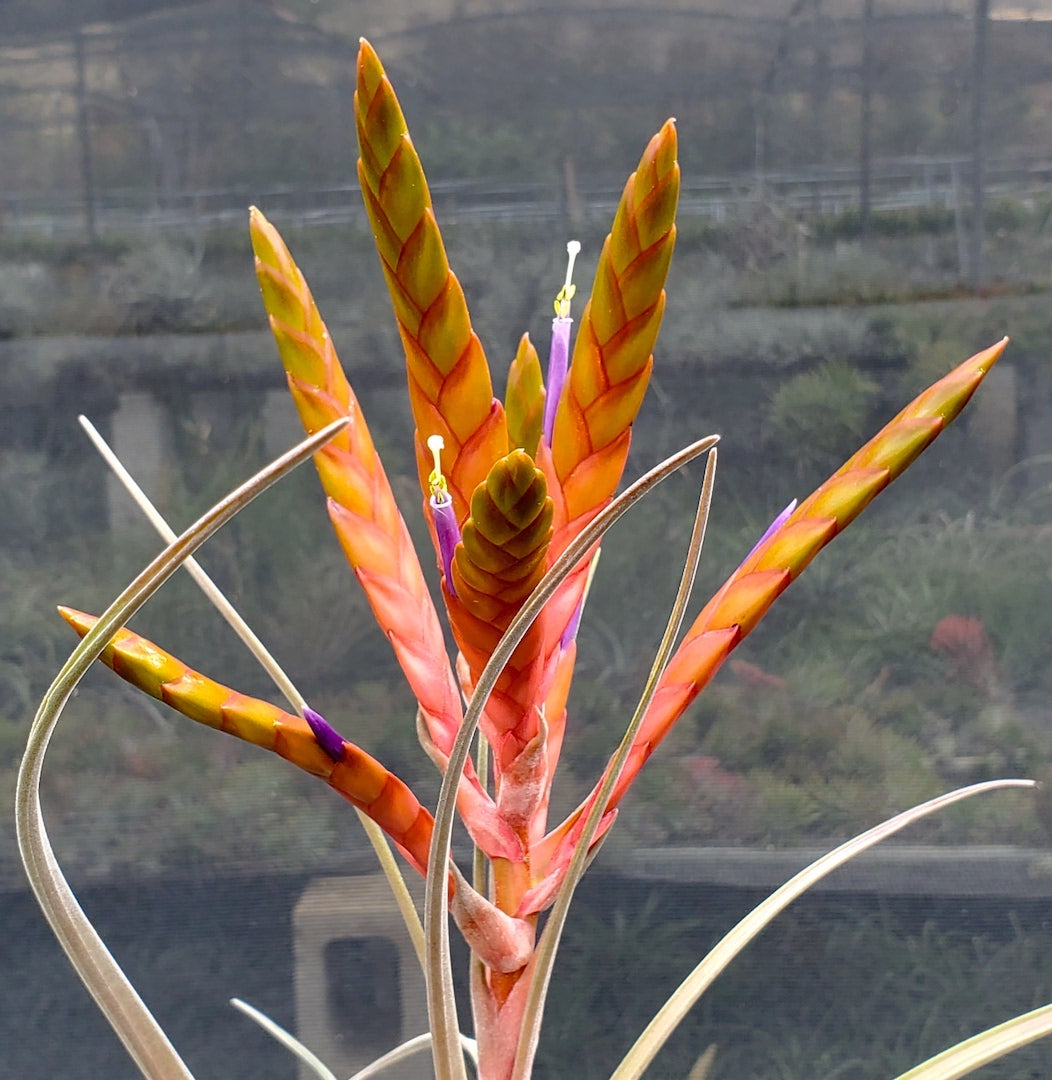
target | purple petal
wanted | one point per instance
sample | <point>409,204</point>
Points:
<point>448,532</point>
<point>570,633</point>
<point>558,362</point>
<point>775,525</point>
<point>329,739</point>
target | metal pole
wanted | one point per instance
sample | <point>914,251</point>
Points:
<point>865,149</point>
<point>976,268</point>
<point>87,169</point>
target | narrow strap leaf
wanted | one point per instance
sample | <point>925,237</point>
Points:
<point>988,1046</point>
<point>441,996</point>
<point>122,1007</point>
<point>728,947</point>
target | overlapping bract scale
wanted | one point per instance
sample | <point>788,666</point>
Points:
<point>498,563</point>
<point>449,381</point>
<point>502,553</point>
<point>361,504</point>
<point>767,572</point>
<point>612,357</point>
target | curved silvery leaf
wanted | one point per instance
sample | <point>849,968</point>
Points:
<point>101,974</point>
<point>698,981</point>
<point>988,1046</point>
<point>270,665</point>
<point>400,1053</point>
<point>408,1049</point>
<point>286,1038</point>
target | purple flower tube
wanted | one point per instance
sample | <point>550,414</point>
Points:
<point>775,525</point>
<point>447,531</point>
<point>558,362</point>
<point>559,354</point>
<point>569,635</point>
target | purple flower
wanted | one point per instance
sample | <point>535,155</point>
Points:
<point>441,502</point>
<point>775,525</point>
<point>559,355</point>
<point>329,739</point>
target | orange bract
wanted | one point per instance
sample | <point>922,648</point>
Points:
<point>357,776</point>
<point>361,503</point>
<point>748,593</point>
<point>449,381</point>
<point>524,398</point>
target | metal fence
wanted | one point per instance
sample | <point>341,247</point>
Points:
<point>900,184</point>
<point>166,122</point>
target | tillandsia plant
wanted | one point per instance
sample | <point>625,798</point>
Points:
<point>517,496</point>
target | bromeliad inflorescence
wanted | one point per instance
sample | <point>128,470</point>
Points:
<point>507,489</point>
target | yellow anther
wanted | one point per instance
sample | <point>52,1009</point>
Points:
<point>436,481</point>
<point>566,293</point>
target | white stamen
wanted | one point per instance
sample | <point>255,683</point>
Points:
<point>573,249</point>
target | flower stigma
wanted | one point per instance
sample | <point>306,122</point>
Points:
<point>558,357</point>
<point>569,289</point>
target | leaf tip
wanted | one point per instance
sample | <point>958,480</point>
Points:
<point>78,620</point>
